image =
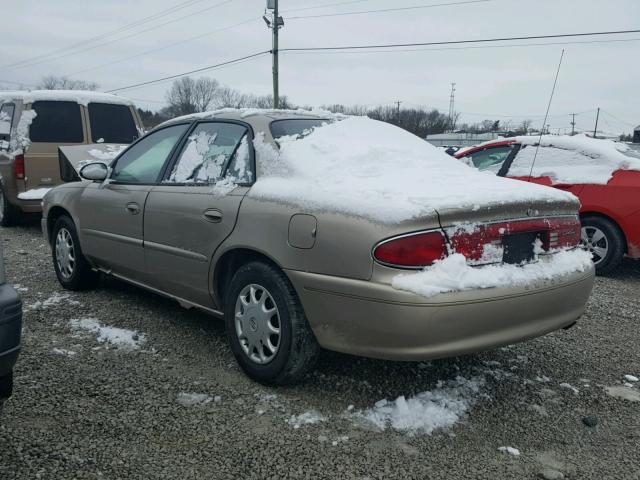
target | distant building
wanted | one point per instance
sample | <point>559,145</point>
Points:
<point>636,134</point>
<point>460,139</point>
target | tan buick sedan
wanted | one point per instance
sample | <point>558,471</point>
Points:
<point>306,231</point>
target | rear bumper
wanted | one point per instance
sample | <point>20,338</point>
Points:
<point>10,330</point>
<point>375,320</point>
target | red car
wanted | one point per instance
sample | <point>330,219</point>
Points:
<point>603,174</point>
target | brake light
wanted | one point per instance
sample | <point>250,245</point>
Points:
<point>18,167</point>
<point>416,250</point>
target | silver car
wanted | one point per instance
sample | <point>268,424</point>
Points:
<point>289,278</point>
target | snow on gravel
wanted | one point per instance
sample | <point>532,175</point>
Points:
<point>631,378</point>
<point>193,399</point>
<point>53,300</point>
<point>510,450</point>
<point>427,411</point>
<point>568,386</point>
<point>119,337</point>
<point>624,393</point>
<point>307,418</point>
<point>453,274</point>
<point>363,167</point>
<point>64,352</point>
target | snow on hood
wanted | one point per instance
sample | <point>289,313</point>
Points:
<point>83,97</point>
<point>363,167</point>
<point>574,159</point>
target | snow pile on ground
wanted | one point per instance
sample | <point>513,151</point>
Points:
<point>33,194</point>
<point>510,450</point>
<point>119,337</point>
<point>83,97</point>
<point>307,418</point>
<point>363,167</point>
<point>573,160</point>
<point>192,399</point>
<point>453,274</point>
<point>427,411</point>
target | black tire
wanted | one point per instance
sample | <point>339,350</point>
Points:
<point>298,349</point>
<point>613,239</point>
<point>81,276</point>
<point>9,215</point>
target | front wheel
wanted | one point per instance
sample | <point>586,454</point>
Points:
<point>72,269</point>
<point>603,239</point>
<point>266,325</point>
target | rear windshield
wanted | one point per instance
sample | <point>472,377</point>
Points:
<point>111,123</point>
<point>57,122</point>
<point>298,127</point>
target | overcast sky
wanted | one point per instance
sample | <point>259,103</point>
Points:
<point>506,83</point>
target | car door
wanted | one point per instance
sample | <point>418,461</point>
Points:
<point>111,212</point>
<point>195,208</point>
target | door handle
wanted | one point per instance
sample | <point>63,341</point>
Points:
<point>133,208</point>
<point>212,215</point>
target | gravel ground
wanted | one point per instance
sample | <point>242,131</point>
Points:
<point>109,412</point>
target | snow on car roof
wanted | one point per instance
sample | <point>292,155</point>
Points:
<point>372,169</point>
<point>240,113</point>
<point>83,97</point>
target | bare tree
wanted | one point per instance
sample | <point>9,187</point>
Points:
<point>189,96</point>
<point>54,82</point>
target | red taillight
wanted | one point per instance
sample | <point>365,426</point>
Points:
<point>18,167</point>
<point>417,250</point>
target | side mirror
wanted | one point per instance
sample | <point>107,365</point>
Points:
<point>95,171</point>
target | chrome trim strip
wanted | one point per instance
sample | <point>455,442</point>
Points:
<point>178,252</point>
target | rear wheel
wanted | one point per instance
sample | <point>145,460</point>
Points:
<point>603,239</point>
<point>266,325</point>
<point>9,215</point>
<point>72,269</point>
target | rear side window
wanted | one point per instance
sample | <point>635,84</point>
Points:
<point>6,118</point>
<point>490,158</point>
<point>295,126</point>
<point>56,122</point>
<point>111,123</point>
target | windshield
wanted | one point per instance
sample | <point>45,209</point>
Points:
<point>299,127</point>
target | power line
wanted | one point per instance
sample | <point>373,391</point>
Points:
<point>327,5</point>
<point>454,42</point>
<point>618,119</point>
<point>210,67</point>
<point>383,10</point>
<point>468,47</point>
<point>128,26</point>
<point>164,47</point>
<point>134,34</point>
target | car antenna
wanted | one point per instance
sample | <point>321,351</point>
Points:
<point>535,155</point>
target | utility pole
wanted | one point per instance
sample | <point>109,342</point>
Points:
<point>398,111</point>
<point>595,129</point>
<point>573,124</point>
<point>275,23</point>
<point>451,105</point>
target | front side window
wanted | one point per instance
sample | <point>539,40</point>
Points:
<point>208,151</point>
<point>112,123</point>
<point>490,158</point>
<point>6,118</point>
<point>143,162</point>
<point>56,122</point>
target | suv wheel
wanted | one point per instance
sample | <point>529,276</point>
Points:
<point>266,325</point>
<point>72,269</point>
<point>9,214</point>
<point>602,238</point>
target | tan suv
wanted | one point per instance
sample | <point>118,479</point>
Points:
<point>33,124</point>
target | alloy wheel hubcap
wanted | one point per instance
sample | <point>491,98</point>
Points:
<point>65,253</point>
<point>596,242</point>
<point>257,322</point>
